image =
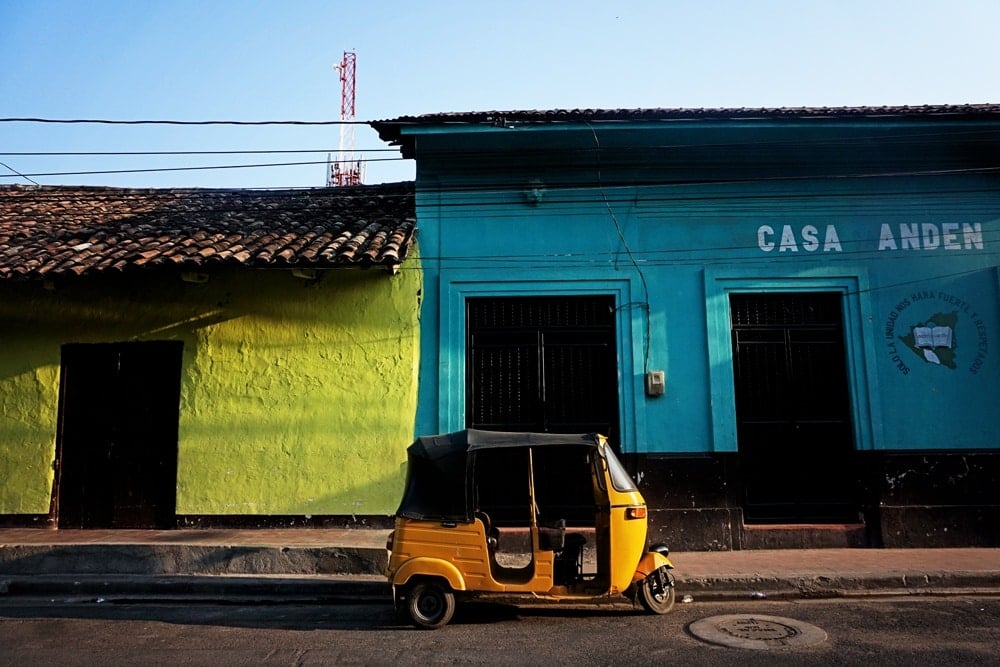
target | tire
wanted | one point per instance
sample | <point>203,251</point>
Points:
<point>657,593</point>
<point>430,605</point>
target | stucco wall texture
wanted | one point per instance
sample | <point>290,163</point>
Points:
<point>297,397</point>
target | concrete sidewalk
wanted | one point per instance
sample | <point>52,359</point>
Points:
<point>330,565</point>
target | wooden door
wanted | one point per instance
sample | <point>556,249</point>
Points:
<point>117,441</point>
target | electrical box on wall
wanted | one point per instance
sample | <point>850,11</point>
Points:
<point>656,383</point>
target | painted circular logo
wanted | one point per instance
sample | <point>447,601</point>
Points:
<point>924,328</point>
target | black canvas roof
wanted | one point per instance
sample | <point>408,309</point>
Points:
<point>437,487</point>
<point>472,439</point>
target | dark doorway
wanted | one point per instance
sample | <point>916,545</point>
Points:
<point>117,441</point>
<point>792,408</point>
<point>542,364</point>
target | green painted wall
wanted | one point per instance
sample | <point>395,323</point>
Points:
<point>26,428</point>
<point>296,397</point>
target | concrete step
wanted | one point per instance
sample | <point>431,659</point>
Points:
<point>167,559</point>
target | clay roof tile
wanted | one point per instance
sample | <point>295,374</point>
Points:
<point>54,231</point>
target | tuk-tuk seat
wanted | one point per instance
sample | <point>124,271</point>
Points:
<point>552,538</point>
<point>568,565</point>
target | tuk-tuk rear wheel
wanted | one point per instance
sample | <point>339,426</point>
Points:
<point>657,593</point>
<point>430,605</point>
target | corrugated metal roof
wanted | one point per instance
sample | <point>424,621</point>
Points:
<point>550,115</point>
<point>65,231</point>
<point>390,130</point>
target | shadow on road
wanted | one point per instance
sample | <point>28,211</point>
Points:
<point>287,615</point>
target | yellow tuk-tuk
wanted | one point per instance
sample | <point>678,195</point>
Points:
<point>550,516</point>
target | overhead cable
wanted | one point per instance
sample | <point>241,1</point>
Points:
<point>218,152</point>
<point>222,166</point>
<point>106,121</point>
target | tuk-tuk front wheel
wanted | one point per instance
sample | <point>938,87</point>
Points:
<point>430,604</point>
<point>656,592</point>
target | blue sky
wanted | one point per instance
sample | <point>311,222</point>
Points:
<point>272,60</point>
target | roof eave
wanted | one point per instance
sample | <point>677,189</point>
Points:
<point>402,131</point>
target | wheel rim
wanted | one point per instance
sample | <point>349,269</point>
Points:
<point>658,597</point>
<point>657,592</point>
<point>430,606</point>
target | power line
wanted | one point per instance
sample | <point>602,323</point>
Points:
<point>867,290</point>
<point>856,250</point>
<point>981,136</point>
<point>162,169</point>
<point>106,121</point>
<point>668,202</point>
<point>850,249</point>
<point>614,184</point>
<point>18,173</point>
<point>243,152</point>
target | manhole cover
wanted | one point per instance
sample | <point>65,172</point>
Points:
<point>756,631</point>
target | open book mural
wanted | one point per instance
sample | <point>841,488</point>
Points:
<point>934,340</point>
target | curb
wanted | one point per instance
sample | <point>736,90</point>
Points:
<point>251,573</point>
<point>806,587</point>
<point>340,589</point>
<point>194,588</point>
<point>187,559</point>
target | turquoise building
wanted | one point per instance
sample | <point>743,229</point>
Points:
<point>787,320</point>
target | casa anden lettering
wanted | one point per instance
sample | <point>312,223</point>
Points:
<point>898,237</point>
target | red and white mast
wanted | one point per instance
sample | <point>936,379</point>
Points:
<point>346,169</point>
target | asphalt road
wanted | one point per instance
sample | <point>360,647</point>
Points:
<point>928,631</point>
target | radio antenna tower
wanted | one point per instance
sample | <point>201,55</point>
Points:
<point>346,169</point>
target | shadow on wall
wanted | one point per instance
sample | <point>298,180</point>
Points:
<point>326,491</point>
<point>284,375</point>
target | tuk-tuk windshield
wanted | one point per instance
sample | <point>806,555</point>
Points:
<point>620,479</point>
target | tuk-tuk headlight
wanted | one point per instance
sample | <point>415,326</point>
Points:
<point>635,512</point>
